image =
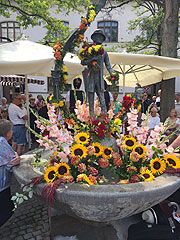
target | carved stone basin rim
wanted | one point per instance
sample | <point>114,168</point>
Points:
<point>103,203</point>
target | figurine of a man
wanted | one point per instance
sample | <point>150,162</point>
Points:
<point>93,74</point>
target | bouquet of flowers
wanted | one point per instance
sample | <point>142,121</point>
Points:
<point>83,158</point>
<point>90,50</point>
<point>113,78</point>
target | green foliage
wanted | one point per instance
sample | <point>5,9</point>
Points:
<point>148,22</point>
<point>19,198</point>
<point>38,13</point>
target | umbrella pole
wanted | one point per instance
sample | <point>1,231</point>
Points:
<point>27,107</point>
<point>124,80</point>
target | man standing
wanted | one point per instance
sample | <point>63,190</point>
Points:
<point>93,76</point>
<point>17,116</point>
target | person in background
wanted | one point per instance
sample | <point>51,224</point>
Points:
<point>30,95</point>
<point>145,103</point>
<point>158,99</point>
<point>154,119</point>
<point>18,117</point>
<point>177,104</point>
<point>8,158</point>
<point>74,95</point>
<point>116,103</point>
<point>170,120</point>
<point>40,102</point>
<point>23,102</point>
<point>3,105</point>
<point>4,114</point>
<point>32,117</point>
<point>153,101</point>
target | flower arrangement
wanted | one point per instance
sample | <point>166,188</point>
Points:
<point>83,158</point>
<point>90,50</point>
<point>113,78</point>
<point>59,51</point>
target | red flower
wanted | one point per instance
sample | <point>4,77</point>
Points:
<point>92,170</point>
<point>75,161</point>
<point>100,133</point>
<point>102,51</point>
<point>103,162</point>
<point>118,162</point>
<point>135,178</point>
<point>81,167</point>
<point>57,55</point>
<point>92,179</point>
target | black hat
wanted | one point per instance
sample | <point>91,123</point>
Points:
<point>98,31</point>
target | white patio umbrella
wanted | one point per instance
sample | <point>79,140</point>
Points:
<point>143,69</point>
<point>27,58</point>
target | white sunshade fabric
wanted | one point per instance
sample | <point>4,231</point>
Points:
<point>143,69</point>
<point>26,57</point>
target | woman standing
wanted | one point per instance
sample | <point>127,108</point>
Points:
<point>8,158</point>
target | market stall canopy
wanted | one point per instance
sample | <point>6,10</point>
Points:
<point>12,80</point>
<point>143,69</point>
<point>26,57</point>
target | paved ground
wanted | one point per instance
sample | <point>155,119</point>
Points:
<point>29,222</point>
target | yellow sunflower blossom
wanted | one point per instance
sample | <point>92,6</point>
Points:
<point>82,138</point>
<point>129,143</point>
<point>107,152</point>
<point>147,175</point>
<point>158,166</point>
<point>98,149</point>
<point>79,150</point>
<point>172,160</point>
<point>50,174</point>
<point>140,149</point>
<point>92,13</point>
<point>62,168</point>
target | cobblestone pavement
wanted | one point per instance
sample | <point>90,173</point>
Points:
<point>29,221</point>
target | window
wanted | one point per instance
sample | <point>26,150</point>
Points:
<point>56,34</point>
<point>9,30</point>
<point>110,29</point>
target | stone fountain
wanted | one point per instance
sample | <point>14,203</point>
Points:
<point>101,212</point>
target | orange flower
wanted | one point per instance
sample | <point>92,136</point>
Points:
<point>57,46</point>
<point>80,38</point>
<point>84,20</point>
<point>57,55</point>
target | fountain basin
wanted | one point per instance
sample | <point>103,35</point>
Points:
<point>102,203</point>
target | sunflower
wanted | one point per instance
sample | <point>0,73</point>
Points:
<point>79,150</point>
<point>172,160</point>
<point>98,149</point>
<point>147,175</point>
<point>129,143</point>
<point>107,151</point>
<point>158,166</point>
<point>50,174</point>
<point>82,138</point>
<point>140,149</point>
<point>62,168</point>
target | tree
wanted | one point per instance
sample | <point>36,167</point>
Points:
<point>37,12</point>
<point>168,37</point>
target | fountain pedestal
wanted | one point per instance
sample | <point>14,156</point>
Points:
<point>101,204</point>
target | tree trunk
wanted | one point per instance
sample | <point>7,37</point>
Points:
<point>169,49</point>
